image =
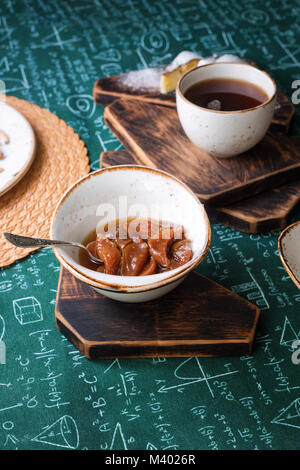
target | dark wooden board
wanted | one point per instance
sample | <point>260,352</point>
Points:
<point>198,318</point>
<point>261,213</point>
<point>264,212</point>
<point>108,89</point>
<point>116,157</point>
<point>154,136</point>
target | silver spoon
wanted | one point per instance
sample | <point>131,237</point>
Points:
<point>29,242</point>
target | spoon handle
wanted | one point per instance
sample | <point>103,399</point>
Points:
<point>28,242</point>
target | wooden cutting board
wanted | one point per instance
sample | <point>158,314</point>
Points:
<point>264,212</point>
<point>154,136</point>
<point>198,318</point>
<point>108,89</point>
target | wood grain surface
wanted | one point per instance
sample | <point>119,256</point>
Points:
<point>198,318</point>
<point>264,212</point>
<point>269,210</point>
<point>283,114</point>
<point>154,136</point>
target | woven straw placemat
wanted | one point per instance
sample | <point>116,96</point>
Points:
<point>61,159</point>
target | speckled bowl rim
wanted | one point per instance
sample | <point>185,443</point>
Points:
<point>282,256</point>
<point>119,287</point>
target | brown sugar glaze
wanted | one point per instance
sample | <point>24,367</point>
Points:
<point>148,247</point>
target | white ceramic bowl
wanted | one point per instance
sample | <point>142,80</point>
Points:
<point>289,251</point>
<point>76,216</point>
<point>226,133</point>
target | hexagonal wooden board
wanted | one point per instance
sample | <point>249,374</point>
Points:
<point>154,137</point>
<point>197,318</point>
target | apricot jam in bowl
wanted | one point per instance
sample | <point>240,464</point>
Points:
<point>146,227</point>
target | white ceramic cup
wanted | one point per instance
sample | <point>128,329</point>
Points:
<point>139,188</point>
<point>225,134</point>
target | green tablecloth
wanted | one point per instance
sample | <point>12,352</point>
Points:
<point>51,396</point>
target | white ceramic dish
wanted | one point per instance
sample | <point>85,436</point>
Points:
<point>226,133</point>
<point>76,216</point>
<point>289,251</point>
<point>19,152</point>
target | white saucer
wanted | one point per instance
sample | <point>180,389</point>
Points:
<point>19,152</point>
<point>289,251</point>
